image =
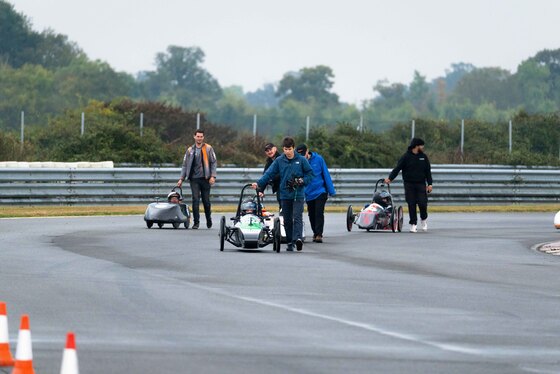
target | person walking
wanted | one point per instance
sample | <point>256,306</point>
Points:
<point>417,177</point>
<point>317,191</point>
<point>272,154</point>
<point>295,173</point>
<point>199,168</point>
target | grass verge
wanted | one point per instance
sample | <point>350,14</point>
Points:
<point>58,211</point>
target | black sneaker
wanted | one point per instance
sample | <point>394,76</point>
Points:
<point>209,223</point>
<point>290,248</point>
<point>195,226</point>
<point>299,244</point>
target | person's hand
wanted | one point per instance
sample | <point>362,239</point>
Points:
<point>254,186</point>
<point>387,181</point>
<point>212,180</point>
<point>261,195</point>
<point>180,183</point>
<point>429,189</point>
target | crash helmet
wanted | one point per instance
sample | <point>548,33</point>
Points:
<point>173,194</point>
<point>248,206</point>
<point>385,198</point>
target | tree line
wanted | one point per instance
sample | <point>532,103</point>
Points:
<point>53,81</point>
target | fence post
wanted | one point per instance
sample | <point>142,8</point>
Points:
<point>254,126</point>
<point>83,124</point>
<point>141,124</point>
<point>462,135</point>
<point>413,129</point>
<point>510,137</point>
<point>361,124</point>
<point>198,120</point>
<point>306,129</point>
<point>22,132</point>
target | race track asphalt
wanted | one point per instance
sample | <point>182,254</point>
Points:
<point>471,295</point>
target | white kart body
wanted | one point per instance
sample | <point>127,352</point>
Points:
<point>557,220</point>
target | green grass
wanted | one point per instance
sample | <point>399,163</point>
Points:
<point>59,211</point>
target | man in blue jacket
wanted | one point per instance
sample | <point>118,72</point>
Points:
<point>295,173</point>
<point>317,191</point>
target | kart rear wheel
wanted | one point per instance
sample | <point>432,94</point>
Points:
<point>349,218</point>
<point>149,224</point>
<point>401,218</point>
<point>277,235</point>
<point>394,219</point>
<point>160,225</point>
<point>187,222</point>
<point>176,225</point>
<point>222,232</point>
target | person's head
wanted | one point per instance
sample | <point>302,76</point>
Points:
<point>270,150</point>
<point>198,136</point>
<point>248,207</point>
<point>302,150</point>
<point>174,197</point>
<point>288,145</point>
<point>416,145</point>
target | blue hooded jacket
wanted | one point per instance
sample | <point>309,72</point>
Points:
<point>288,169</point>
<point>321,182</point>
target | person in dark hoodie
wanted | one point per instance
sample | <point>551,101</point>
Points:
<point>417,177</point>
<point>295,173</point>
<point>272,154</point>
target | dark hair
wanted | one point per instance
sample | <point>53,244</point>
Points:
<point>199,131</point>
<point>288,142</point>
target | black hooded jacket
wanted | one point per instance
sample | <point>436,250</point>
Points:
<point>275,183</point>
<point>415,168</point>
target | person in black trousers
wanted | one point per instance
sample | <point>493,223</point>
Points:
<point>417,177</point>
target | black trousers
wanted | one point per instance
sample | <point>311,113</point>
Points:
<point>415,194</point>
<point>200,187</point>
<point>316,212</point>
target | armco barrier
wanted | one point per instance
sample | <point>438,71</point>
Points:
<point>453,184</point>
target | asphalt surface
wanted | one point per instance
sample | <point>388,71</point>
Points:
<point>471,295</point>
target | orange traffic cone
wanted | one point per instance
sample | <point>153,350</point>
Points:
<point>69,356</point>
<point>5,354</point>
<point>24,352</point>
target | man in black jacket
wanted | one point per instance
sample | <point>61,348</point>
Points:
<point>417,177</point>
<point>271,154</point>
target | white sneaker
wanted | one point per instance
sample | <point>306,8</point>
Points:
<point>413,228</point>
<point>424,225</point>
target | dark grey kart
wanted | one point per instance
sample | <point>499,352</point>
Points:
<point>161,212</point>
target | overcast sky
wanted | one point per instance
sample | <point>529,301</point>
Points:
<point>252,42</point>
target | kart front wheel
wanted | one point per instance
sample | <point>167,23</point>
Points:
<point>222,232</point>
<point>176,225</point>
<point>349,218</point>
<point>187,222</point>
<point>276,235</point>
<point>160,225</point>
<point>394,220</point>
<point>149,224</point>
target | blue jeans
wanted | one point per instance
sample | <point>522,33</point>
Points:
<point>292,210</point>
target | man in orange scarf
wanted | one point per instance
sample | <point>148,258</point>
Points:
<point>199,168</point>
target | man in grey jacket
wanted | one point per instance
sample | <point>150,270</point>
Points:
<point>199,168</point>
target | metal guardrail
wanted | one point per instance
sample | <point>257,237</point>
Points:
<point>453,184</point>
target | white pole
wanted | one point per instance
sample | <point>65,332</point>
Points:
<point>306,128</point>
<point>83,124</point>
<point>22,127</point>
<point>361,123</point>
<point>141,124</point>
<point>413,128</point>
<point>510,136</point>
<point>462,135</point>
<point>254,126</point>
<point>197,121</point>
